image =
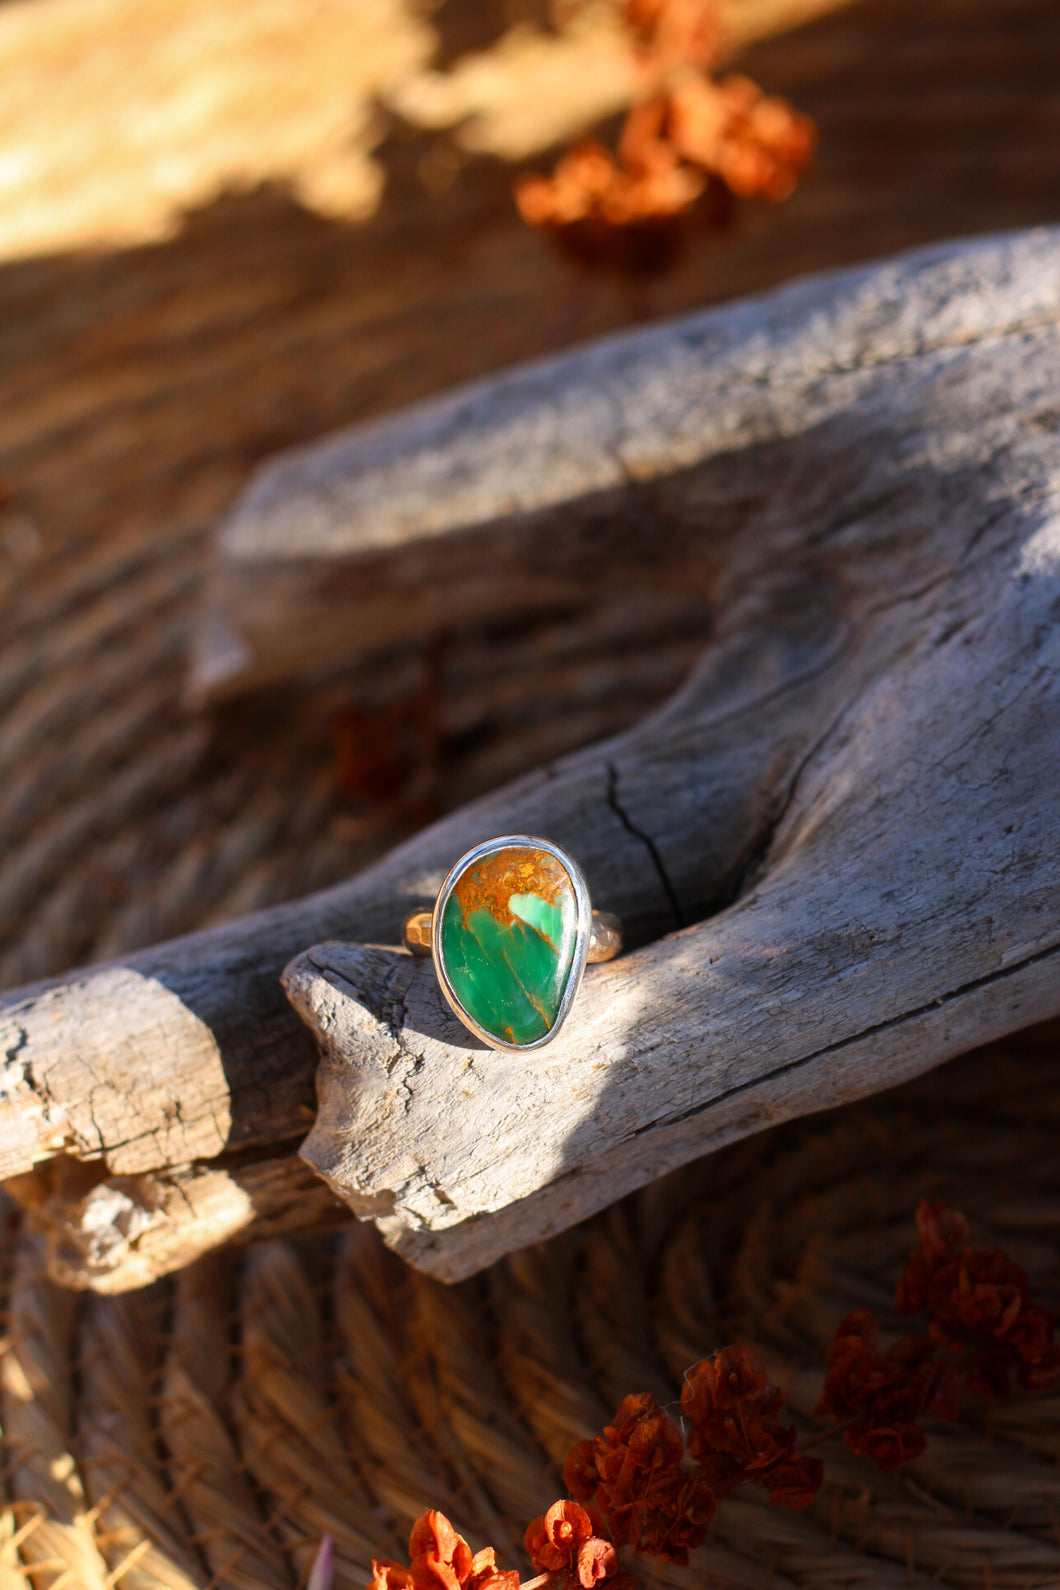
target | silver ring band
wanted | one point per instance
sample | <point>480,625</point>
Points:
<point>510,935</point>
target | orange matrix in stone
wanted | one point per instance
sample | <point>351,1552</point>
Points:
<point>488,885</point>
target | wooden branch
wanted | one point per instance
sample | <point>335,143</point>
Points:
<point>836,846</point>
<point>389,532</point>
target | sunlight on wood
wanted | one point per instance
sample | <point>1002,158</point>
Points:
<point>119,116</point>
<point>532,89</point>
<point>116,116</point>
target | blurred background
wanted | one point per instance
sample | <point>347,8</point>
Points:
<point>227,229</point>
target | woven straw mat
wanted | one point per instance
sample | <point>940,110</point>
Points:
<point>209,1431</point>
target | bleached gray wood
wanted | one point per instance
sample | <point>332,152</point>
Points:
<point>838,847</point>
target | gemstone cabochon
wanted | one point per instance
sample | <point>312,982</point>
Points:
<point>509,932</point>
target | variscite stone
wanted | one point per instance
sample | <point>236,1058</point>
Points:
<point>507,940</point>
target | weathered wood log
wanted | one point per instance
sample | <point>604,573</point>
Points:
<point>849,813</point>
<point>115,1233</point>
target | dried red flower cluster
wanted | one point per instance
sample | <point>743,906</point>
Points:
<point>980,1306</point>
<point>880,1396</point>
<point>639,1474</point>
<point>735,1434</point>
<point>981,1315</point>
<point>634,1471</point>
<point>691,138</point>
<point>657,1488</point>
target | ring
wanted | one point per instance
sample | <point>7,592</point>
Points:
<point>510,934</point>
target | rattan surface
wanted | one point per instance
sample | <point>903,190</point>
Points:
<point>208,1431</point>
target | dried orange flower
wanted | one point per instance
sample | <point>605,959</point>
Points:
<point>438,1552</point>
<point>573,1541</point>
<point>552,1541</point>
<point>485,1575</point>
<point>691,139</point>
<point>756,144</point>
<point>442,1560</point>
<point>601,212</point>
<point>387,1575</point>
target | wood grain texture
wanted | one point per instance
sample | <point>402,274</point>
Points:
<point>835,846</point>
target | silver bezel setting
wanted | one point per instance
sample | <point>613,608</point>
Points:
<point>581,945</point>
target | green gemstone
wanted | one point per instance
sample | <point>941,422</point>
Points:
<point>509,932</point>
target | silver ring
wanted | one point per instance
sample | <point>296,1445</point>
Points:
<point>510,935</point>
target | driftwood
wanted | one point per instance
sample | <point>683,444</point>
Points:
<point>836,846</point>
